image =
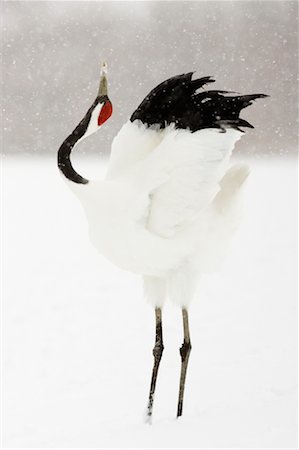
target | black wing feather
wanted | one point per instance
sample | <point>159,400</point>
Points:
<point>176,101</point>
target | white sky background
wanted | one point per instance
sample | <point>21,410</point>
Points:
<point>52,52</point>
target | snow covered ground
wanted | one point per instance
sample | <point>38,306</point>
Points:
<point>78,336</point>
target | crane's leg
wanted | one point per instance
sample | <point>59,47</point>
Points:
<point>185,353</point>
<point>157,352</point>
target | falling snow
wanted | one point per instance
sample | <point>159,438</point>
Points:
<point>52,53</point>
<point>77,334</point>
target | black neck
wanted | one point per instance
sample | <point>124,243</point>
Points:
<point>64,162</point>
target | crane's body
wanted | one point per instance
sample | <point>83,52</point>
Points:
<point>169,203</point>
<point>126,223</point>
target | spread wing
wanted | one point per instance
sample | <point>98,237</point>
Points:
<point>133,143</point>
<point>181,176</point>
<point>176,103</point>
<point>175,149</point>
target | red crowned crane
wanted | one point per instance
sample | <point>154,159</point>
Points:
<point>169,204</point>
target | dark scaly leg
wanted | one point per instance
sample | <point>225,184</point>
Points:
<point>157,352</point>
<point>185,353</point>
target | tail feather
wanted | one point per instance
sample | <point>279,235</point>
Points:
<point>234,123</point>
<point>196,84</point>
<point>246,100</point>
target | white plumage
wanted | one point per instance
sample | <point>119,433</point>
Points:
<point>167,207</point>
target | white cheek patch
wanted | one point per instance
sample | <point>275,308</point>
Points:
<point>93,123</point>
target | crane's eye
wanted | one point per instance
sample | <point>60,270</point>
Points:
<point>105,113</point>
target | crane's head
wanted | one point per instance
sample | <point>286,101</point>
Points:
<point>106,109</point>
<point>98,113</point>
<point>101,109</point>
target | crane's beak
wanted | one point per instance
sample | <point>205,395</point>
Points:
<point>103,88</point>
